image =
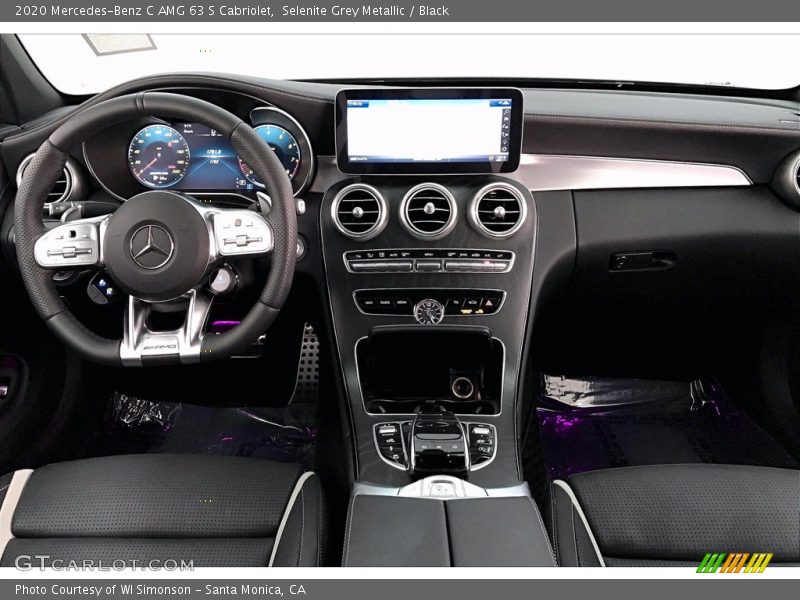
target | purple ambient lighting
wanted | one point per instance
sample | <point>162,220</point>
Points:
<point>222,326</point>
<point>688,429</point>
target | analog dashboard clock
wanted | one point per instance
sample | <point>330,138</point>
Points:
<point>428,311</point>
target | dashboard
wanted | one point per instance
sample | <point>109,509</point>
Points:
<point>414,216</point>
<point>134,156</point>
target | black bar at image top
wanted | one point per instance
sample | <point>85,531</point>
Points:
<point>441,11</point>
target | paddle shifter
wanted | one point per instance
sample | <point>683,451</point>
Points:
<point>437,443</point>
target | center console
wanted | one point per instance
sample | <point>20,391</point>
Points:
<point>441,320</point>
<point>428,252</point>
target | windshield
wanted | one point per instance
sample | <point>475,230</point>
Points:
<point>87,64</point>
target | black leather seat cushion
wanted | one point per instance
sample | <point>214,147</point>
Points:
<point>674,514</point>
<point>216,511</point>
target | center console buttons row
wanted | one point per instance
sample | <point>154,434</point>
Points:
<point>397,266</point>
<point>468,266</point>
<point>456,302</point>
<point>472,305</point>
<point>429,261</point>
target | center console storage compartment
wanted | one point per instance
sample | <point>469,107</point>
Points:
<point>404,367</point>
<point>441,522</point>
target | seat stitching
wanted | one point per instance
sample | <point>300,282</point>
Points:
<point>296,492</point>
<point>319,525</point>
<point>553,522</point>
<point>302,524</point>
<point>349,528</point>
<point>5,487</point>
<point>574,536</point>
<point>576,507</point>
<point>544,531</point>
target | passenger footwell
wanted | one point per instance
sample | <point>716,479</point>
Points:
<point>590,424</point>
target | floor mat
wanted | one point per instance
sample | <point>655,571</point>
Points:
<point>590,424</point>
<point>134,425</point>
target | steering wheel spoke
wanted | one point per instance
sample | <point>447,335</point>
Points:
<point>73,244</point>
<point>141,345</point>
<point>240,233</point>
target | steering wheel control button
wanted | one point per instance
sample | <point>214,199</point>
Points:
<point>151,247</point>
<point>242,232</point>
<point>102,290</point>
<point>73,244</point>
<point>223,282</point>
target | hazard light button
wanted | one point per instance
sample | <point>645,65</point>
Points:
<point>489,305</point>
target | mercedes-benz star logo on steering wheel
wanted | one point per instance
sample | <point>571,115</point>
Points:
<point>151,247</point>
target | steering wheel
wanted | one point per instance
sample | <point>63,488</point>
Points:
<point>159,246</point>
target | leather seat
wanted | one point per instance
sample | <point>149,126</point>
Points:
<point>672,515</point>
<point>212,510</point>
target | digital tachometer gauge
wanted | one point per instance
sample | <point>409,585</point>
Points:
<point>158,156</point>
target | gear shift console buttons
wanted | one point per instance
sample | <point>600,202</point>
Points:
<point>389,443</point>
<point>482,444</point>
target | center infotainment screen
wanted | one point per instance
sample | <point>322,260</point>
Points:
<point>428,130</point>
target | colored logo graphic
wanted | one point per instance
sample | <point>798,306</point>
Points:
<point>735,562</point>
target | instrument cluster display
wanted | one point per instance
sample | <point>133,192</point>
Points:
<point>148,153</point>
<point>192,157</point>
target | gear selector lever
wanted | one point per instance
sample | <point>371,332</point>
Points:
<point>437,443</point>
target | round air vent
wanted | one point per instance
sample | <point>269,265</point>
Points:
<point>786,179</point>
<point>797,176</point>
<point>498,210</point>
<point>63,187</point>
<point>428,211</point>
<point>359,211</point>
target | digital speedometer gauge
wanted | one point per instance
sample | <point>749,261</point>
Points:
<point>158,156</point>
<point>285,147</point>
